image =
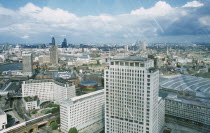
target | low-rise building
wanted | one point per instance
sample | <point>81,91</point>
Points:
<point>187,109</point>
<point>83,112</point>
<point>187,99</point>
<point>31,103</point>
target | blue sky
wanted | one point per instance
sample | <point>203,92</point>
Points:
<point>91,7</point>
<point>104,21</point>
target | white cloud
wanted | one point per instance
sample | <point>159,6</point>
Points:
<point>36,22</point>
<point>25,37</point>
<point>193,4</point>
<point>161,8</point>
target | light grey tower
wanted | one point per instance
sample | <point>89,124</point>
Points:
<point>27,64</point>
<point>132,86</point>
<point>143,45</point>
<point>53,53</point>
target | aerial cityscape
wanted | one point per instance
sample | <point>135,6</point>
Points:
<point>105,66</point>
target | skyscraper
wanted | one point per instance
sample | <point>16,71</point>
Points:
<point>27,64</point>
<point>132,86</point>
<point>53,41</point>
<point>53,53</point>
<point>143,45</point>
<point>64,43</point>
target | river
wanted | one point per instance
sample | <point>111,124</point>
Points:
<point>13,66</point>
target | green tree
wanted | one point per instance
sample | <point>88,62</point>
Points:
<point>73,130</point>
<point>58,120</point>
<point>34,112</point>
<point>54,125</point>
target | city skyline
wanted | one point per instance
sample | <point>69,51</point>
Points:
<point>155,21</point>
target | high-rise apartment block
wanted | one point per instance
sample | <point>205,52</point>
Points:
<point>27,64</point>
<point>132,105</point>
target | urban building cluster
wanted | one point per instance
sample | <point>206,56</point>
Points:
<point>129,88</point>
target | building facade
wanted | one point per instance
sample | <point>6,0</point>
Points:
<point>27,64</point>
<point>84,112</point>
<point>3,119</point>
<point>186,109</point>
<point>48,90</point>
<point>31,103</point>
<point>161,114</point>
<point>131,86</point>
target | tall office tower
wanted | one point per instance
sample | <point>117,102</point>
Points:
<point>131,85</point>
<point>64,43</point>
<point>143,45</point>
<point>27,64</point>
<point>53,41</point>
<point>53,53</point>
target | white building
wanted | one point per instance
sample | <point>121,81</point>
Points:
<point>3,119</point>
<point>132,86</point>
<point>187,99</point>
<point>161,114</point>
<point>188,109</point>
<point>31,103</point>
<point>48,90</point>
<point>83,112</point>
<point>27,64</point>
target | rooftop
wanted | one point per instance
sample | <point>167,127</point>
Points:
<point>188,89</point>
<point>57,81</point>
<point>83,97</point>
<point>197,85</point>
<point>132,58</point>
<point>88,83</point>
<point>29,99</point>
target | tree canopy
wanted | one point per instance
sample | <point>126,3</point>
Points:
<point>73,130</point>
<point>54,125</point>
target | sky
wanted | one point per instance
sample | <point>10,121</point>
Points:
<point>104,21</point>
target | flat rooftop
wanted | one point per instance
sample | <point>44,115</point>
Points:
<point>29,99</point>
<point>83,97</point>
<point>132,58</point>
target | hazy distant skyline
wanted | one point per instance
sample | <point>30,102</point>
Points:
<point>104,21</point>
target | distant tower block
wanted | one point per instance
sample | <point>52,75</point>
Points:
<point>64,43</point>
<point>53,53</point>
<point>126,48</point>
<point>53,41</point>
<point>143,45</point>
<point>27,64</point>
